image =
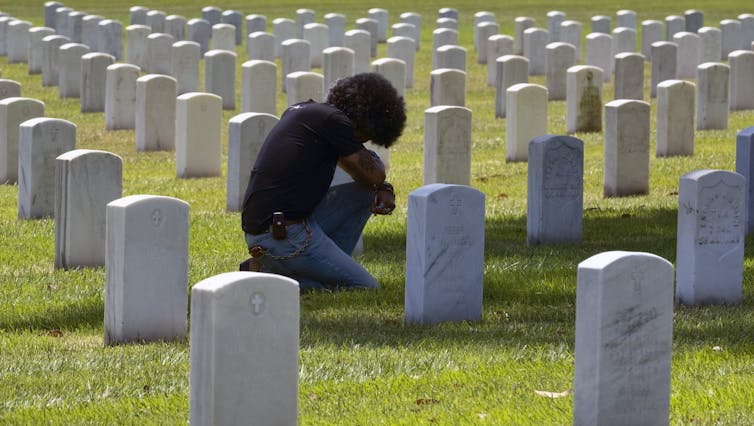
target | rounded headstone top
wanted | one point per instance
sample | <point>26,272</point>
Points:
<point>615,258</point>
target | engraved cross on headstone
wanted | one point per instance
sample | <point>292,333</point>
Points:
<point>455,205</point>
<point>257,301</point>
<point>156,217</point>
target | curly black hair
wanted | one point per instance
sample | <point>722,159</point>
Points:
<point>372,104</point>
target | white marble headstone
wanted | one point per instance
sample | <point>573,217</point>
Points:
<point>558,58</point>
<point>255,23</point>
<point>13,112</point>
<point>484,30</point>
<point>258,86</point>
<point>521,24</point>
<point>337,63</point>
<point>710,244</point>
<point>624,339</point>
<point>629,76</point>
<point>441,37</point>
<point>69,69</point>
<point>260,46</point>
<point>741,85</point>
<point>304,85</point>
<point>664,64</point>
<point>295,54</point>
<point>9,88</point>
<point>404,49</point>
<point>451,56</point>
<point>652,31</point>
<point>712,96</point>
<point>200,31</point>
<point>146,269</point>
<point>93,81</point>
<point>244,350</point>
<point>444,254</point>
<point>359,41</point>
<point>526,111</point>
<point>40,141</point>
<point>710,44</point>
<point>198,135</point>
<point>336,27</point>
<point>534,44</point>
<point>555,190</point>
<point>223,37</point>
<point>136,45</point>
<point>626,148</point>
<point>86,181</point>
<point>688,54</point>
<point>624,40</point>
<point>394,70</point>
<point>111,34</point>
<point>155,111</point>
<point>498,45</point>
<point>185,57</point>
<point>599,53</point>
<point>120,96</point>
<point>675,118</point>
<point>447,145</point>
<point>601,24</point>
<point>745,166</point>
<point>584,99</point>
<point>36,34</point>
<point>220,76</point>
<point>447,87</point>
<point>234,18</point>
<point>317,35</point>
<point>283,29</point>
<point>246,133</point>
<point>512,69</point>
<point>175,25</point>
<point>570,32</point>
<point>50,58</point>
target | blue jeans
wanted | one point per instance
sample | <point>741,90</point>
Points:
<point>328,237</point>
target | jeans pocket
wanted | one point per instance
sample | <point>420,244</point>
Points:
<point>297,239</point>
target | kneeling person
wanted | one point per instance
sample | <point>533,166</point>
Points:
<point>295,224</point>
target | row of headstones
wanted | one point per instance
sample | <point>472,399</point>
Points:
<point>20,41</point>
<point>447,143</point>
<point>632,291</point>
<point>245,325</point>
<point>210,33</point>
<point>82,74</point>
<point>449,91</point>
<point>445,242</point>
<point>448,86</point>
<point>447,154</point>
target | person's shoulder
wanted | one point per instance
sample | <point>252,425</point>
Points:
<point>311,106</point>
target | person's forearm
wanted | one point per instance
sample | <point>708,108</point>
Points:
<point>364,167</point>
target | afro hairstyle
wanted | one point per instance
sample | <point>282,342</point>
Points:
<point>372,104</point>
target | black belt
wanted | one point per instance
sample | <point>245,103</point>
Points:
<point>288,222</point>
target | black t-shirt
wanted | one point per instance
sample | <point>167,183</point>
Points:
<point>296,164</point>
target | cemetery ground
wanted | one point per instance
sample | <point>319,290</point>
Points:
<point>359,362</point>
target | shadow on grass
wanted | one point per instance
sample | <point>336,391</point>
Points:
<point>88,313</point>
<point>529,292</point>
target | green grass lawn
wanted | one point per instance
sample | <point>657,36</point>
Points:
<point>359,364</point>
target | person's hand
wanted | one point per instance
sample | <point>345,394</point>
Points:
<point>384,202</point>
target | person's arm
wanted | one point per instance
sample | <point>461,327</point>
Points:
<point>364,167</point>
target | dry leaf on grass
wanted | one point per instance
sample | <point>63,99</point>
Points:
<point>547,394</point>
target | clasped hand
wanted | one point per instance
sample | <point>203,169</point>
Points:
<point>384,202</point>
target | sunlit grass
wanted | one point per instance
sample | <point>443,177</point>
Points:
<point>359,364</point>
